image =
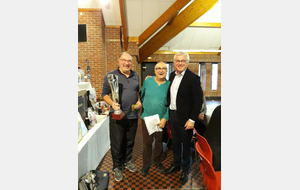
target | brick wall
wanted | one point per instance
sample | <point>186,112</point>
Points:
<point>104,47</point>
<point>194,66</point>
<point>113,47</point>
<point>94,48</point>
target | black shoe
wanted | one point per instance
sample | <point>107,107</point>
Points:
<point>160,167</point>
<point>172,169</point>
<point>144,170</point>
<point>183,177</point>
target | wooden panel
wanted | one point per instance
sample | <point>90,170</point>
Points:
<point>124,24</point>
<point>206,24</point>
<point>172,52</point>
<point>133,39</point>
<point>183,20</point>
<point>88,9</point>
<point>166,16</point>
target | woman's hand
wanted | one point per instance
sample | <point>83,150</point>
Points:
<point>162,123</point>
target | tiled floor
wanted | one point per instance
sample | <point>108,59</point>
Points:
<point>154,180</point>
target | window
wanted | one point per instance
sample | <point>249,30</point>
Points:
<point>214,76</point>
<point>202,74</point>
<point>82,33</point>
<point>168,71</point>
<point>199,71</point>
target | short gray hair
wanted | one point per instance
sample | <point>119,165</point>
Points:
<point>158,63</point>
<point>125,52</point>
<point>183,53</point>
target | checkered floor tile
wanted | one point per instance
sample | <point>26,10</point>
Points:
<point>154,180</point>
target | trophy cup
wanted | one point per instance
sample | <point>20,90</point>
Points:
<point>114,86</point>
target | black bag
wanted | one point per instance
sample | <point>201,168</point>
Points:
<point>94,180</point>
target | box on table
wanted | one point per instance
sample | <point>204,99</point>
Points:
<point>82,103</point>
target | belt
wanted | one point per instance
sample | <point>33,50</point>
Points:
<point>173,111</point>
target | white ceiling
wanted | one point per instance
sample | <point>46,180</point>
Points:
<point>142,13</point>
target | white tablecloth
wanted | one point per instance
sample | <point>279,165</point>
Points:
<point>93,147</point>
<point>209,111</point>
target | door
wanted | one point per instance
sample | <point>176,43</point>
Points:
<point>147,70</point>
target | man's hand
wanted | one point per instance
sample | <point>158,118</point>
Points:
<point>189,125</point>
<point>147,76</point>
<point>137,105</point>
<point>201,116</point>
<point>115,106</point>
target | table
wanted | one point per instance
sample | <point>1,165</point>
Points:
<point>93,147</point>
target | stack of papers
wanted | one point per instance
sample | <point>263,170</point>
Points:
<point>151,123</point>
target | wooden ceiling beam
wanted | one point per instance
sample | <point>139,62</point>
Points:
<point>124,24</point>
<point>166,16</point>
<point>189,15</point>
<point>219,49</point>
<point>172,18</point>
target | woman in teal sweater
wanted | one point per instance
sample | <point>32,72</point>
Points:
<point>154,100</point>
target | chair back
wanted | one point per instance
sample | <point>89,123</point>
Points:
<point>211,178</point>
<point>204,147</point>
<point>169,129</point>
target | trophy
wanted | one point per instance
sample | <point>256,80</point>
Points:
<point>114,86</point>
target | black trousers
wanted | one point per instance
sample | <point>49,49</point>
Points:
<point>122,135</point>
<point>180,136</point>
<point>147,146</point>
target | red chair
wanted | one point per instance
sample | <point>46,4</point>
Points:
<point>169,129</point>
<point>205,148</point>
<point>169,142</point>
<point>211,178</point>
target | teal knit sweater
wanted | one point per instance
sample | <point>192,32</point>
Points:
<point>154,98</point>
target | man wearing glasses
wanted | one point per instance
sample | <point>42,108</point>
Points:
<point>185,101</point>
<point>122,132</point>
<point>154,99</point>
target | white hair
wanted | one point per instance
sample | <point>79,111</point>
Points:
<point>183,53</point>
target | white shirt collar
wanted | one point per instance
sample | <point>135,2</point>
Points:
<point>182,73</point>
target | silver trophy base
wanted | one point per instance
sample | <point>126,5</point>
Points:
<point>118,112</point>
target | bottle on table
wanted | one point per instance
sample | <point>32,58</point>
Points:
<point>87,120</point>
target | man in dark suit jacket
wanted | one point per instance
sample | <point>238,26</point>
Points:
<point>185,101</point>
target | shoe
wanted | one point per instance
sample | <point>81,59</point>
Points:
<point>144,170</point>
<point>160,167</point>
<point>130,167</point>
<point>118,174</point>
<point>172,169</point>
<point>183,177</point>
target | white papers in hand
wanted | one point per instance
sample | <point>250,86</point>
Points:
<point>151,122</point>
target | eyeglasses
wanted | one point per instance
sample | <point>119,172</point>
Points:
<point>160,68</point>
<point>182,61</point>
<point>124,60</point>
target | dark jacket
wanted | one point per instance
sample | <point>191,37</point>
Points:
<point>189,96</point>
